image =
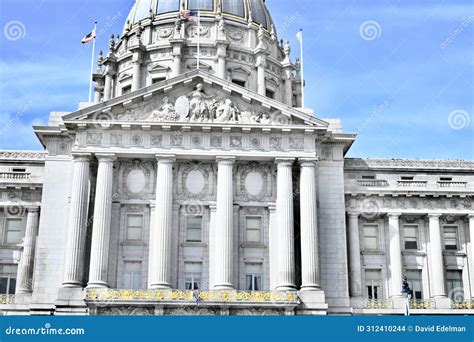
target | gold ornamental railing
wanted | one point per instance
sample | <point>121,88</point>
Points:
<point>377,304</point>
<point>463,305</point>
<point>422,304</point>
<point>192,297</point>
<point>7,299</point>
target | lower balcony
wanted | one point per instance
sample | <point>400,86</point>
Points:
<point>175,302</point>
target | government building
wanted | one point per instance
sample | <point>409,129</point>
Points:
<point>196,184</point>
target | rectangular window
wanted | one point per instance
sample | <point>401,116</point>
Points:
<point>13,231</point>
<point>8,279</point>
<point>450,234</point>
<point>371,237</point>
<point>253,229</point>
<point>132,275</point>
<point>235,7</point>
<point>416,284</point>
<point>126,90</point>
<point>192,275</point>
<point>407,178</point>
<point>19,170</point>
<point>239,83</point>
<point>158,80</point>
<point>373,280</point>
<point>455,285</point>
<point>194,229</point>
<point>203,5</point>
<point>445,179</point>
<point>143,10</point>
<point>258,12</point>
<point>368,177</point>
<point>134,227</point>
<point>410,237</point>
<point>270,94</point>
<point>253,277</point>
<point>165,6</point>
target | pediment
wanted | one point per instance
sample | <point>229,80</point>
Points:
<point>158,68</point>
<point>195,98</point>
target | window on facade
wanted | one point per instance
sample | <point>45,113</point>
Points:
<point>20,170</point>
<point>270,94</point>
<point>8,279</point>
<point>206,5</point>
<point>410,237</point>
<point>143,10</point>
<point>373,280</point>
<point>235,7</point>
<point>371,237</point>
<point>13,230</point>
<point>253,229</point>
<point>407,178</point>
<point>126,90</point>
<point>239,82</point>
<point>158,80</point>
<point>165,6</point>
<point>455,285</point>
<point>192,275</point>
<point>446,179</point>
<point>194,229</point>
<point>134,227</point>
<point>450,234</point>
<point>368,177</point>
<point>253,277</point>
<point>416,284</point>
<point>258,12</point>
<point>132,275</point>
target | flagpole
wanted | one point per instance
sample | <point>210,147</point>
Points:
<point>302,69</point>
<point>199,41</point>
<point>92,63</point>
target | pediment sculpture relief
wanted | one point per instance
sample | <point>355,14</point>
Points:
<point>201,107</point>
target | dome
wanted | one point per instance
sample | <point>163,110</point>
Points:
<point>243,11</point>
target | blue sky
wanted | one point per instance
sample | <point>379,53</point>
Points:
<point>399,73</point>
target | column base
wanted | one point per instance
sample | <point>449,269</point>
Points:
<point>442,302</point>
<point>285,288</point>
<point>223,287</point>
<point>98,285</point>
<point>72,285</point>
<point>312,302</point>
<point>311,287</point>
<point>163,286</point>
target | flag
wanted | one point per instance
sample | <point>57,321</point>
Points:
<point>89,38</point>
<point>189,15</point>
<point>299,35</point>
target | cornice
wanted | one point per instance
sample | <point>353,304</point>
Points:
<point>409,164</point>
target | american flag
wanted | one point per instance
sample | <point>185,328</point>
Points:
<point>189,15</point>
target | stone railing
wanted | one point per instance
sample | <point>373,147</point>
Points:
<point>452,185</point>
<point>372,183</point>
<point>7,299</point>
<point>14,176</point>
<point>377,304</point>
<point>412,184</point>
<point>422,304</point>
<point>463,305</point>
<point>22,155</point>
<point>112,296</point>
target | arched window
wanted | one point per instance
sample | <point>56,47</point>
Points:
<point>258,12</point>
<point>235,7</point>
<point>143,10</point>
<point>203,5</point>
<point>165,6</point>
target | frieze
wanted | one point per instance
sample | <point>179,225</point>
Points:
<point>22,155</point>
<point>407,164</point>
<point>235,35</point>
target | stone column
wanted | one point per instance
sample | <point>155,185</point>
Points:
<point>108,87</point>
<point>137,75</point>
<point>310,270</point>
<point>436,254</point>
<point>102,219</point>
<point>286,234</point>
<point>212,252</point>
<point>395,251</point>
<point>221,58</point>
<point>273,246</point>
<point>24,282</point>
<point>76,228</point>
<point>177,45</point>
<point>223,232</point>
<point>471,263</point>
<point>355,268</point>
<point>261,83</point>
<point>159,266</point>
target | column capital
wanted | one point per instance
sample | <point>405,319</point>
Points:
<point>32,208</point>
<point>353,214</point>
<point>106,157</point>
<point>165,158</point>
<point>470,216</point>
<point>434,216</point>
<point>225,160</point>
<point>81,156</point>
<point>394,215</point>
<point>213,207</point>
<point>308,162</point>
<point>272,207</point>
<point>285,161</point>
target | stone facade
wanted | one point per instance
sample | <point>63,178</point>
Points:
<point>204,189</point>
